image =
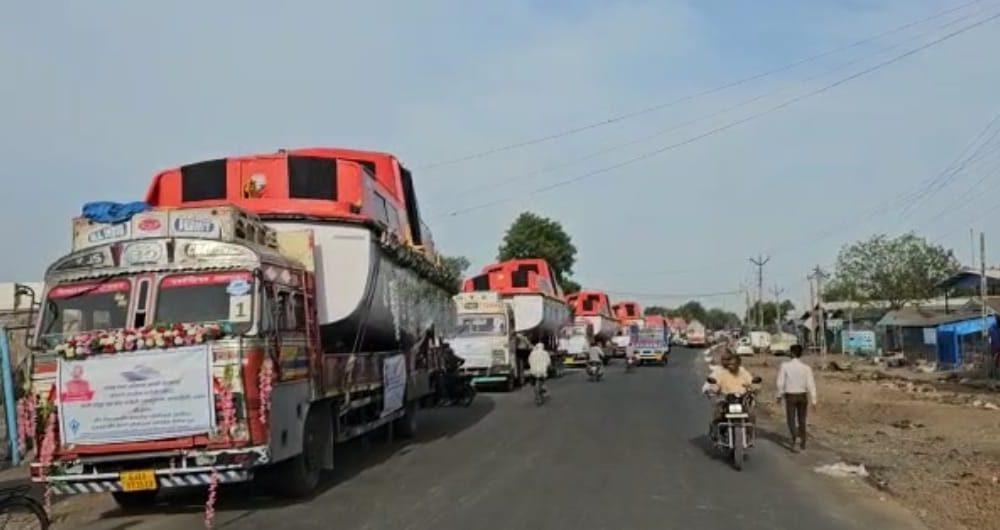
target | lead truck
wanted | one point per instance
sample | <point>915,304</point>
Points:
<point>263,309</point>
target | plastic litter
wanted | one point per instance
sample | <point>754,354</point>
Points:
<point>843,470</point>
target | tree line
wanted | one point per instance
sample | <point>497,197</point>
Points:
<point>714,318</point>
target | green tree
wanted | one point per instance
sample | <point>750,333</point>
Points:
<point>569,286</point>
<point>769,311</point>
<point>693,310</point>
<point>533,236</point>
<point>657,310</point>
<point>717,318</point>
<point>896,270</point>
<point>456,267</point>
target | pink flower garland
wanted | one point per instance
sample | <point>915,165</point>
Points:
<point>265,381</point>
<point>227,409</point>
<point>213,487</point>
<point>149,337</point>
<point>47,450</point>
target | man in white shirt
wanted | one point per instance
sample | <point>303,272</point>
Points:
<point>539,363</point>
<point>798,388</point>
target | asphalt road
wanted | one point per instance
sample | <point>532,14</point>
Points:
<point>628,452</point>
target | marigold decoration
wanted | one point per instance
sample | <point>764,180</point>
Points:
<point>265,381</point>
<point>124,340</point>
<point>46,451</point>
<point>213,487</point>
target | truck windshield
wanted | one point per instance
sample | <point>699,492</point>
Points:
<point>481,325</point>
<point>214,297</point>
<point>651,334</point>
<point>75,308</point>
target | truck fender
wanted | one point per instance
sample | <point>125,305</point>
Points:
<point>291,404</point>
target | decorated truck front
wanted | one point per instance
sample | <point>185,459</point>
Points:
<point>156,353</point>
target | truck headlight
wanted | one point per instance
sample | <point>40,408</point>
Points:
<point>735,408</point>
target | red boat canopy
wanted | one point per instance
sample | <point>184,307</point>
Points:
<point>627,311</point>
<point>656,321</point>
<point>590,303</point>
<point>519,276</point>
<point>316,183</point>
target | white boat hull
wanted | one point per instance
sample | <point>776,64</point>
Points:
<point>604,327</point>
<point>365,300</point>
<point>537,316</point>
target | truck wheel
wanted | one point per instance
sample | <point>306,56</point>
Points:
<point>134,500</point>
<point>299,476</point>
<point>407,425</point>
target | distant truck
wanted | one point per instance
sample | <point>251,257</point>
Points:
<point>760,341</point>
<point>484,337</point>
<point>653,345</point>
<point>696,335</point>
<point>574,342</point>
<point>781,343</point>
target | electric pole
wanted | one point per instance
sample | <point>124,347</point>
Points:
<point>983,288</point>
<point>777,307</point>
<point>760,262</point>
<point>819,276</point>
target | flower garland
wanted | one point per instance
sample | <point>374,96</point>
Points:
<point>47,450</point>
<point>27,422</point>
<point>124,340</point>
<point>213,487</point>
<point>265,381</point>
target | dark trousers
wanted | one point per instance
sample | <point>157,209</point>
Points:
<point>796,407</point>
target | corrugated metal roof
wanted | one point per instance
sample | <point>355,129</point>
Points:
<point>922,318</point>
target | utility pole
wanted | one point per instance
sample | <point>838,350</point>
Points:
<point>983,290</point>
<point>812,309</point>
<point>777,307</point>
<point>819,276</point>
<point>972,247</point>
<point>760,262</point>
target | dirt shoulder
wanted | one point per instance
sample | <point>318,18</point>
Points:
<point>934,446</point>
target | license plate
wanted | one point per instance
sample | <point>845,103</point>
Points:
<point>138,480</point>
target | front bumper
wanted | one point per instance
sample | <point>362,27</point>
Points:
<point>572,360</point>
<point>651,355</point>
<point>102,474</point>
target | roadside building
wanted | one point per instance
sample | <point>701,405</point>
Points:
<point>18,308</point>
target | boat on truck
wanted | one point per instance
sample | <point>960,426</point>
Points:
<point>196,343</point>
<point>629,315</point>
<point>530,288</point>
<point>594,308</point>
<point>485,340</point>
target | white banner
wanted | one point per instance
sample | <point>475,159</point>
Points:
<point>136,396</point>
<point>393,383</point>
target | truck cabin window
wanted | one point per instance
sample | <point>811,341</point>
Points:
<point>204,298</point>
<point>77,308</point>
<point>477,326</point>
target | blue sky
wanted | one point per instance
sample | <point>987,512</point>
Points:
<point>97,97</point>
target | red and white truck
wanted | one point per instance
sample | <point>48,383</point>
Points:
<point>265,308</point>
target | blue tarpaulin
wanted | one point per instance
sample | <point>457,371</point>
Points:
<point>949,337</point>
<point>112,212</point>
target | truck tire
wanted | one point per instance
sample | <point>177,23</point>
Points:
<point>134,500</point>
<point>299,476</point>
<point>406,426</point>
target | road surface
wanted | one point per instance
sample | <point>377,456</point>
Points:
<point>626,453</point>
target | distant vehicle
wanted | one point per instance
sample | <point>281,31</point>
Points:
<point>574,340</point>
<point>594,307</point>
<point>653,345</point>
<point>781,344</point>
<point>484,337</point>
<point>696,334</point>
<point>760,341</point>
<point>743,347</point>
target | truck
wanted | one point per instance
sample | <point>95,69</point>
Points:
<point>630,319</point>
<point>781,343</point>
<point>760,341</point>
<point>594,308</point>
<point>263,309</point>
<point>653,344</point>
<point>485,339</point>
<point>696,335</point>
<point>574,342</point>
<point>529,287</point>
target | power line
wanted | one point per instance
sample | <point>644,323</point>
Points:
<point>674,295</point>
<point>576,160</point>
<point>727,126</point>
<point>660,106</point>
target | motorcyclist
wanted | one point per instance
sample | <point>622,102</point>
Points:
<point>630,354</point>
<point>731,378</point>
<point>539,362</point>
<point>451,379</point>
<point>595,357</point>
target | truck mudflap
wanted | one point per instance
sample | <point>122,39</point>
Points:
<point>165,478</point>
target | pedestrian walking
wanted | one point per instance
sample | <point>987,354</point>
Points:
<point>797,388</point>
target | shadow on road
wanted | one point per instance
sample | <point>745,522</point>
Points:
<point>350,459</point>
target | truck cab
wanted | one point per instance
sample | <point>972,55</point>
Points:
<point>574,341</point>
<point>484,337</point>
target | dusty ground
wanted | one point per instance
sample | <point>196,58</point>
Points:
<point>933,445</point>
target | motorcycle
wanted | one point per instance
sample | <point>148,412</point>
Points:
<point>459,390</point>
<point>594,371</point>
<point>630,363</point>
<point>540,393</point>
<point>736,432</point>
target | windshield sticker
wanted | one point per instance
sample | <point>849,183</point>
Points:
<point>238,287</point>
<point>66,291</point>
<point>120,299</point>
<point>239,308</point>
<point>188,280</point>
